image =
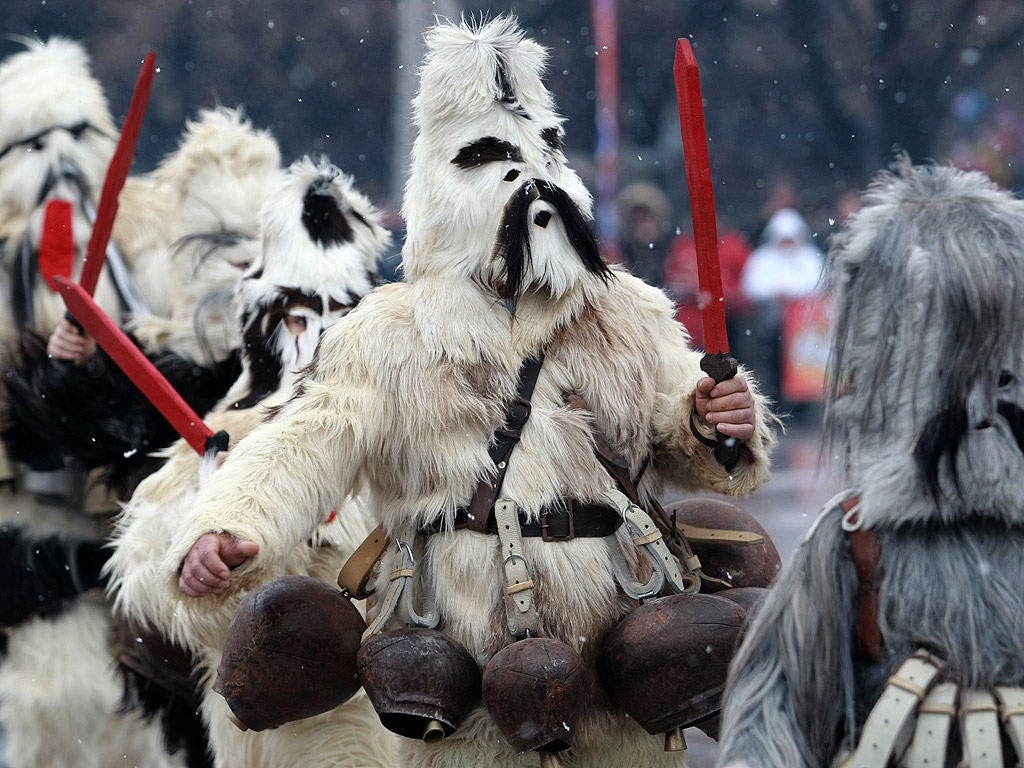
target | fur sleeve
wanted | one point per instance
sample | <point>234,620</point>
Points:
<point>680,458</point>
<point>791,685</point>
<point>286,476</point>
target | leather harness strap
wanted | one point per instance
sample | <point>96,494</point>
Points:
<point>866,552</point>
<point>571,519</point>
<point>479,513</point>
<point>356,572</point>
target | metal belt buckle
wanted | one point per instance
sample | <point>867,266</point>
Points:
<point>545,536</point>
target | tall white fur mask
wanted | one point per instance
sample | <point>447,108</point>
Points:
<point>56,126</point>
<point>56,140</point>
<point>922,553</point>
<point>488,167</point>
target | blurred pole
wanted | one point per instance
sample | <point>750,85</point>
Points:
<point>414,18</point>
<point>606,42</point>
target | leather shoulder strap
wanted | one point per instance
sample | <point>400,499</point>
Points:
<point>505,439</point>
<point>866,552</point>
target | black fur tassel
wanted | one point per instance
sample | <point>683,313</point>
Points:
<point>39,576</point>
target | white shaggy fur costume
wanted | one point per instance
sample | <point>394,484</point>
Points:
<point>927,412</point>
<point>58,690</point>
<point>193,223</point>
<point>319,243</point>
<point>407,390</point>
<point>58,137</point>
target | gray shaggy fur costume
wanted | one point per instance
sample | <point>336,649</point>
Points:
<point>407,390</point>
<point>926,409</point>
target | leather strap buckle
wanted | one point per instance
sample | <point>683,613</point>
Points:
<point>545,533</point>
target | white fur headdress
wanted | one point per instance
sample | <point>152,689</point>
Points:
<point>53,112</point>
<point>927,399</point>
<point>320,240</point>
<point>196,226</point>
<point>490,196</point>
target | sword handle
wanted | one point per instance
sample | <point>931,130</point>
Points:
<point>71,319</point>
<point>721,366</point>
<point>216,443</point>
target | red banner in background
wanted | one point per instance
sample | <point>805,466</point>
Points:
<point>806,328</point>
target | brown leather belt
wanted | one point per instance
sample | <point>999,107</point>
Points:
<point>573,520</point>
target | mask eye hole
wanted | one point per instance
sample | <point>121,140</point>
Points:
<point>512,175</point>
<point>1005,379</point>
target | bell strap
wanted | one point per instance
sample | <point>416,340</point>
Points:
<point>935,719</point>
<point>478,511</point>
<point>519,604</point>
<point>979,730</point>
<point>355,573</point>
<point>866,552</point>
<point>888,729</point>
<point>616,465</point>
<point>647,536</point>
<point>634,588</point>
<point>397,600</point>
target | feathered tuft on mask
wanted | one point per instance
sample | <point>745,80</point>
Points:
<point>926,399</point>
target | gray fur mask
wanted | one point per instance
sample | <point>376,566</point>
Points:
<point>929,280</point>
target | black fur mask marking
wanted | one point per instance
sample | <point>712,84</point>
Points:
<point>513,245</point>
<point>323,219</point>
<point>487,150</point>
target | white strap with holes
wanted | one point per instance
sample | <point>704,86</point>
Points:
<point>888,728</point>
<point>647,536</point>
<point>1011,712</point>
<point>935,719</point>
<point>519,586</point>
<point>979,729</point>
<point>397,600</point>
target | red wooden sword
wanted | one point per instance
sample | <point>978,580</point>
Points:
<point>137,367</point>
<point>717,362</point>
<point>96,253</point>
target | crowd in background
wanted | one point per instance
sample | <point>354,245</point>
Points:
<point>771,278</point>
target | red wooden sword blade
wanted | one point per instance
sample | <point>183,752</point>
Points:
<point>702,198</point>
<point>96,253</point>
<point>135,365</point>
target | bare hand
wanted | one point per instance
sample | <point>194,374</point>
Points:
<point>727,405</point>
<point>207,566</point>
<point>68,343</point>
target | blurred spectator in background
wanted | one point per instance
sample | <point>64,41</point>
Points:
<point>785,267</point>
<point>682,285</point>
<point>646,230</point>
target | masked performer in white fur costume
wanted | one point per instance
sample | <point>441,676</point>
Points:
<point>192,223</point>
<point>320,241</point>
<point>902,612</point>
<point>407,391</point>
<point>58,691</point>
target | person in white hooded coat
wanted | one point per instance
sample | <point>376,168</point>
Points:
<point>406,392</point>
